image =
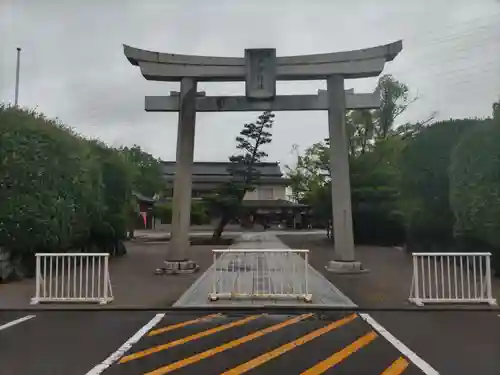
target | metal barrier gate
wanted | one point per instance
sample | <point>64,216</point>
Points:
<point>451,278</point>
<point>260,273</point>
<point>72,277</point>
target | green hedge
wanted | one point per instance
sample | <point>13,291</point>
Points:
<point>374,191</point>
<point>46,181</point>
<point>424,184</point>
<point>199,215</point>
<point>116,176</point>
<point>163,211</point>
<point>58,191</point>
<point>475,190</point>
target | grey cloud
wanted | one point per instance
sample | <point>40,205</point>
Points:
<point>73,65</point>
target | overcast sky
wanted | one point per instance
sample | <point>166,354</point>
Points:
<point>73,67</point>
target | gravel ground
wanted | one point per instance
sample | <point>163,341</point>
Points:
<point>132,277</point>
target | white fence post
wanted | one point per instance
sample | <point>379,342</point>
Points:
<point>37,278</point>
<point>451,278</point>
<point>80,279</point>
<point>213,295</point>
<point>415,283</point>
<point>306,278</point>
<point>260,273</point>
<point>106,279</point>
<point>489,292</point>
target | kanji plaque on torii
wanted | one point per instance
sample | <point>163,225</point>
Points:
<point>260,80</point>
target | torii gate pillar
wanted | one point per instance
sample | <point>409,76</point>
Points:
<point>181,207</point>
<point>344,259</point>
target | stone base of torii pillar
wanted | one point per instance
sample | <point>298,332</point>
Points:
<point>342,267</point>
<point>180,266</point>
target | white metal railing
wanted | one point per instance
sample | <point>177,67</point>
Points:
<point>260,273</point>
<point>72,277</point>
<point>451,278</point>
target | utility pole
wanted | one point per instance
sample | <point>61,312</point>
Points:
<point>17,75</point>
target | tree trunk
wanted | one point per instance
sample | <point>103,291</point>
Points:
<point>224,220</point>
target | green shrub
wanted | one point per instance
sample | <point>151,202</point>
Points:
<point>46,179</point>
<point>375,194</point>
<point>163,211</point>
<point>199,214</point>
<point>475,190</point>
<point>58,191</point>
<point>110,224</point>
<point>424,184</point>
<point>46,186</point>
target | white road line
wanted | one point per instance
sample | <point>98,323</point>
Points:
<point>17,321</point>
<point>412,356</point>
<point>99,369</point>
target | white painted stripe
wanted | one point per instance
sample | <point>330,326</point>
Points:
<point>101,367</point>
<point>407,352</point>
<point>17,321</point>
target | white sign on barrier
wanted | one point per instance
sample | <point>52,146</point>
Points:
<point>451,278</point>
<point>260,273</point>
<point>72,277</point>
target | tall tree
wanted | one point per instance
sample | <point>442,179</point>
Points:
<point>311,170</point>
<point>147,176</point>
<point>395,99</point>
<point>496,111</point>
<point>226,202</point>
<point>361,127</point>
<point>366,127</point>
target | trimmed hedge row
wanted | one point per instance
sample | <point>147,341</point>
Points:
<point>425,187</point>
<point>58,191</point>
<point>375,193</point>
<point>450,188</point>
<point>199,215</point>
<point>475,190</point>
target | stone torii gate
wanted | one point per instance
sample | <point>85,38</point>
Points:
<point>260,69</point>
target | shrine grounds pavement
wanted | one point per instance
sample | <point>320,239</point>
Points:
<point>53,343</point>
<point>48,342</point>
<point>460,341</point>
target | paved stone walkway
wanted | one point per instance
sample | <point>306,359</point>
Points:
<point>262,273</point>
<point>162,234</point>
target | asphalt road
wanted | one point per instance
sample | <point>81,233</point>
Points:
<point>74,343</point>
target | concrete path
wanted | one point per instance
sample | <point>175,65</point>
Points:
<point>261,273</point>
<point>161,234</point>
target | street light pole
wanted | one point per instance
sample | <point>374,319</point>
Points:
<point>17,75</point>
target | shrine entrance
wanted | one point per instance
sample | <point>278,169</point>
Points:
<point>260,69</point>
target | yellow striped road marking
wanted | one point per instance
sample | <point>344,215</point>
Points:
<point>184,340</point>
<point>182,324</point>
<point>229,345</point>
<point>397,367</point>
<point>341,355</point>
<point>257,361</point>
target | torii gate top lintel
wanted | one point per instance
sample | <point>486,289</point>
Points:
<point>361,63</point>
